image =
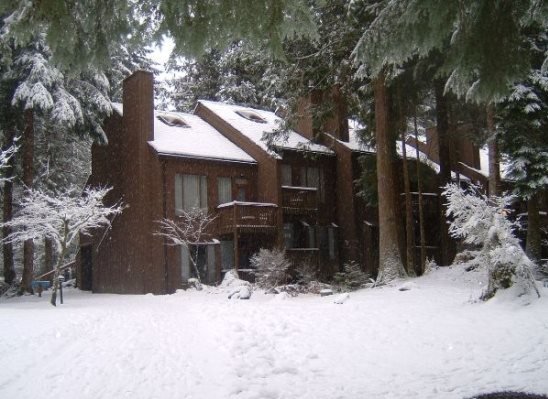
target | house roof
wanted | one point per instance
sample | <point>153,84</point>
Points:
<point>199,140</point>
<point>356,144</point>
<point>254,123</point>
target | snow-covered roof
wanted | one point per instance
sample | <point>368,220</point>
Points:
<point>235,116</point>
<point>355,143</point>
<point>199,140</point>
<point>484,164</point>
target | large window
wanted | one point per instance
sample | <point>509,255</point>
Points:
<point>205,262</point>
<point>224,189</point>
<point>312,176</point>
<point>190,192</point>
<point>286,175</point>
<point>299,235</point>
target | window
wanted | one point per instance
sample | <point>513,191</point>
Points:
<point>227,255</point>
<point>286,175</point>
<point>173,120</point>
<point>190,192</point>
<point>242,185</point>
<point>224,189</point>
<point>288,235</point>
<point>205,262</point>
<point>250,115</point>
<point>299,235</point>
<point>242,194</point>
<point>332,239</point>
<point>312,176</point>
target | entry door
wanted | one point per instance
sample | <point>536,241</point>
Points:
<point>87,265</point>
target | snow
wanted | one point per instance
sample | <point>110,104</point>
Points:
<point>200,140</point>
<point>254,131</point>
<point>356,144</point>
<point>428,342</point>
<point>244,203</point>
<point>484,164</point>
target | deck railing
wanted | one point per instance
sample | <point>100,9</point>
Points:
<point>247,216</point>
<point>299,200</point>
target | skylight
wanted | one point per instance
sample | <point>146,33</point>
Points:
<point>173,120</point>
<point>250,115</point>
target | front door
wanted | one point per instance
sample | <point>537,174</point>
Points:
<point>86,264</point>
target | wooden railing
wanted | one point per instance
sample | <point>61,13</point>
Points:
<point>299,200</point>
<point>247,217</point>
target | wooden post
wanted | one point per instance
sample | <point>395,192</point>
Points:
<point>236,243</point>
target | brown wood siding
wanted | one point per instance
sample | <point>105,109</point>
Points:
<point>268,187</point>
<point>213,170</point>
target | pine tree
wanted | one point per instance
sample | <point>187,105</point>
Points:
<point>481,41</point>
<point>523,122</point>
<point>195,25</point>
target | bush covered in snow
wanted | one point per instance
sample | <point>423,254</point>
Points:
<point>351,278</point>
<point>483,221</point>
<point>272,268</point>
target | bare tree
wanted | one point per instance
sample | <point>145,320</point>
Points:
<point>60,217</point>
<point>189,229</point>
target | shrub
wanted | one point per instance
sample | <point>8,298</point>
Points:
<point>351,278</point>
<point>272,268</point>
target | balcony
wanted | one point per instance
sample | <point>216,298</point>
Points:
<point>299,200</point>
<point>247,217</point>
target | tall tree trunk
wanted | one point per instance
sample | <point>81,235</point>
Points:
<point>9,267</point>
<point>409,225</point>
<point>28,177</point>
<point>533,244</point>
<point>447,247</point>
<point>390,264</point>
<point>494,163</point>
<point>421,208</point>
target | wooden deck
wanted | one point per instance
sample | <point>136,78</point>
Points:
<point>247,217</point>
<point>299,200</point>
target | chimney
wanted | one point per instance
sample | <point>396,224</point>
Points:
<point>138,100</point>
<point>336,124</point>
<point>305,125</point>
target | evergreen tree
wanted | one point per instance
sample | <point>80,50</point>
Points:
<point>195,25</point>
<point>523,123</point>
<point>481,40</point>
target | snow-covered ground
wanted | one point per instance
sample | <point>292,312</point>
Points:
<point>430,341</point>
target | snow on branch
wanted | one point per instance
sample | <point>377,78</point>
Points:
<point>5,157</point>
<point>60,216</point>
<point>483,221</point>
<point>189,229</point>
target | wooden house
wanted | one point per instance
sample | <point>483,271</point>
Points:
<point>160,163</point>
